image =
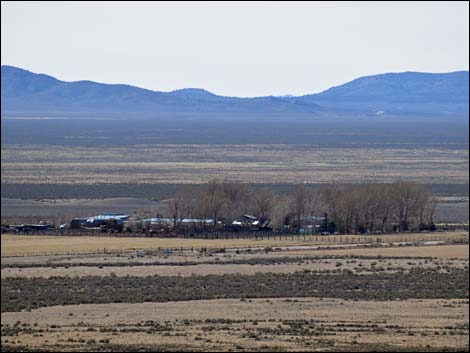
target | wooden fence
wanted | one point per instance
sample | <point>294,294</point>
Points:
<point>162,251</point>
<point>186,235</point>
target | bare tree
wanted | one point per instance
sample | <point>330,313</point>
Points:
<point>263,202</point>
<point>429,212</point>
<point>385,208</point>
<point>279,211</point>
<point>198,205</point>
<point>234,197</point>
<point>178,208</point>
<point>407,197</point>
<point>372,201</point>
<point>299,204</point>
<point>209,201</point>
<point>423,199</point>
<point>351,209</point>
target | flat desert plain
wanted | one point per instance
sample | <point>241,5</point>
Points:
<point>257,163</point>
<point>393,297</point>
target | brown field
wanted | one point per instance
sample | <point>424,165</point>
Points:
<point>459,259</point>
<point>441,251</point>
<point>314,322</point>
<point>267,324</point>
<point>13,245</point>
<point>17,245</point>
<point>263,163</point>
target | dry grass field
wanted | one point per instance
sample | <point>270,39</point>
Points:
<point>263,163</point>
<point>13,245</point>
<point>432,257</point>
<point>268,324</point>
<point>19,245</point>
<point>393,298</point>
<point>441,251</point>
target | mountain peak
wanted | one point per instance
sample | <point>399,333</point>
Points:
<point>192,93</point>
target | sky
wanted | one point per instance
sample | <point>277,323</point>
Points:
<point>243,49</point>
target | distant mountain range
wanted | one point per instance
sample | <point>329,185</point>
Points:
<point>24,92</point>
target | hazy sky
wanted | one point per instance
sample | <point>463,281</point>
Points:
<point>235,49</point>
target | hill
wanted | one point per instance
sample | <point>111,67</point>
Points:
<point>24,92</point>
<point>405,92</point>
<point>27,92</point>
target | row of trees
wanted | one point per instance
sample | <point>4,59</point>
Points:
<point>380,207</point>
<point>354,209</point>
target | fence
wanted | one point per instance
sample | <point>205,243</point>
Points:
<point>160,250</point>
<point>258,235</point>
<point>276,240</point>
<point>201,234</point>
<point>184,235</point>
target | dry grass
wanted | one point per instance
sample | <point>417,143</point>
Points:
<point>13,245</point>
<point>262,163</point>
<point>408,323</point>
<point>440,251</point>
<point>17,245</point>
<point>361,265</point>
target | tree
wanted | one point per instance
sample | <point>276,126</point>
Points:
<point>372,200</point>
<point>385,208</point>
<point>407,199</point>
<point>279,211</point>
<point>351,209</point>
<point>299,204</point>
<point>209,201</point>
<point>234,197</point>
<point>263,202</point>
<point>429,211</point>
<point>178,208</point>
